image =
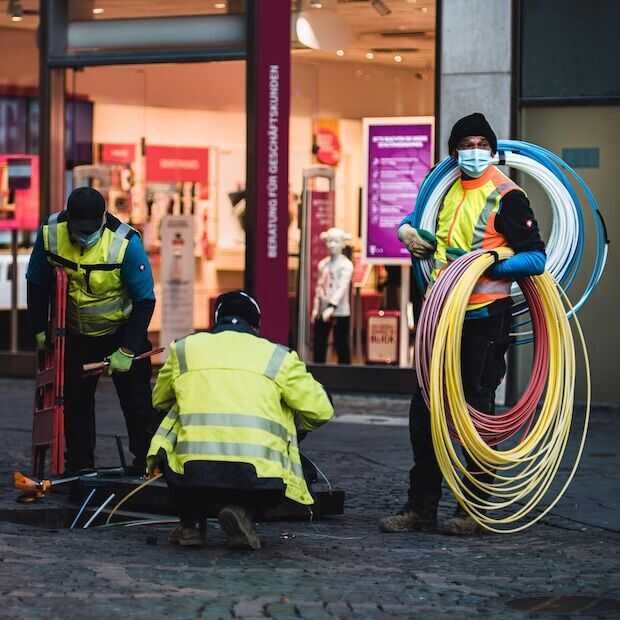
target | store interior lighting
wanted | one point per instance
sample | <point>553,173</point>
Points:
<point>370,55</point>
<point>316,4</point>
<point>340,53</point>
<point>381,8</point>
<point>15,11</point>
<point>398,58</point>
<point>322,30</point>
<point>98,11</point>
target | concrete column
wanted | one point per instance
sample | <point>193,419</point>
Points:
<point>475,73</point>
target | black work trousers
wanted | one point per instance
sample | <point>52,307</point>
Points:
<point>194,504</point>
<point>483,348</point>
<point>341,339</point>
<point>133,389</point>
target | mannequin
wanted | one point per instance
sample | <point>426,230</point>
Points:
<point>331,298</point>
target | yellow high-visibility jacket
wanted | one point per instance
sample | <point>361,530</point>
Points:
<point>98,302</point>
<point>234,397</point>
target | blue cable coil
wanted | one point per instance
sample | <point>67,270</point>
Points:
<point>565,252</point>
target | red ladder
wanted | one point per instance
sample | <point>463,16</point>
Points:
<point>48,419</point>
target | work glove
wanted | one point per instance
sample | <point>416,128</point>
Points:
<point>120,361</point>
<point>421,243</point>
<point>41,341</point>
<point>453,254</point>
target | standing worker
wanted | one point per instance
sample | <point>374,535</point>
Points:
<point>229,439</point>
<point>483,209</point>
<point>110,305</point>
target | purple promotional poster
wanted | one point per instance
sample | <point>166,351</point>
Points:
<point>399,155</point>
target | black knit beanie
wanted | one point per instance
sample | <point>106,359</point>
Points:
<point>472,125</point>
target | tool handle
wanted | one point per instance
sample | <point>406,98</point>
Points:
<point>98,367</point>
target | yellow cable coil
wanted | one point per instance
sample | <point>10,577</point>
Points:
<point>525,472</point>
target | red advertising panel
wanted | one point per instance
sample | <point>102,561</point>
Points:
<point>118,153</point>
<point>170,164</point>
<point>19,192</point>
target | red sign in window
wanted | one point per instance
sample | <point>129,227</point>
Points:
<point>169,164</point>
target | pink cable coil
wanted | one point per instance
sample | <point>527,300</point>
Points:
<point>492,428</point>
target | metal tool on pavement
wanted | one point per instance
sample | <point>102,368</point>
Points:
<point>96,368</point>
<point>33,489</point>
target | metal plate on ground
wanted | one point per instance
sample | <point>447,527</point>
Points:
<point>155,499</point>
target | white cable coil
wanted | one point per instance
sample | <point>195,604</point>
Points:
<point>562,241</point>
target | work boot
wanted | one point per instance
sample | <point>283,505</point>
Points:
<point>461,524</point>
<point>410,520</point>
<point>188,535</point>
<point>239,528</point>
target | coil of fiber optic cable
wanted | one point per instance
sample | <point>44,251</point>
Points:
<point>566,242</point>
<point>523,473</point>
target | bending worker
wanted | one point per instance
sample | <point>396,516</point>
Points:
<point>482,209</point>
<point>110,305</point>
<point>229,440</point>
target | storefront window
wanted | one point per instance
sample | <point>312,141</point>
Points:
<point>379,65</point>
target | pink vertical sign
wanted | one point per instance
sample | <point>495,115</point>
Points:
<point>269,59</point>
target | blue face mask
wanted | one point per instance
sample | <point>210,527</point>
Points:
<point>87,241</point>
<point>473,162</point>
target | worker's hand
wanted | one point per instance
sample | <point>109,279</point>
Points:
<point>328,313</point>
<point>41,341</point>
<point>314,316</point>
<point>421,243</point>
<point>120,361</point>
<point>453,254</point>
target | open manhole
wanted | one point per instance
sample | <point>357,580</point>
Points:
<point>566,605</point>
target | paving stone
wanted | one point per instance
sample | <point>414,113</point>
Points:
<point>342,567</point>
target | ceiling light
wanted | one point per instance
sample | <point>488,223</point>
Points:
<point>220,5</point>
<point>370,55</point>
<point>98,11</point>
<point>412,1</point>
<point>424,9</point>
<point>340,52</point>
<point>15,11</point>
<point>381,8</point>
<point>322,30</point>
<point>316,4</point>
<point>398,58</point>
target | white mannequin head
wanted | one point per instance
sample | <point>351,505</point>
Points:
<point>335,240</point>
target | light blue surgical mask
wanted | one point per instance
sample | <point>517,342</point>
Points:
<point>87,241</point>
<point>473,162</point>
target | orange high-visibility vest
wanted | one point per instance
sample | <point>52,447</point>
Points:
<point>467,221</point>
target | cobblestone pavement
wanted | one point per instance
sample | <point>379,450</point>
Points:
<point>341,567</point>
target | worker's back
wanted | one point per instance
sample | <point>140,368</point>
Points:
<point>231,396</point>
<point>231,372</point>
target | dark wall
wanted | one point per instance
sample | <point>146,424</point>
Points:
<point>570,49</point>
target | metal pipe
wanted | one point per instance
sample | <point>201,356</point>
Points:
<point>159,32</point>
<point>107,501</point>
<point>81,510</point>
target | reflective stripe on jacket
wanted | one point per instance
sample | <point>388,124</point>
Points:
<point>466,221</point>
<point>98,302</point>
<point>234,397</point>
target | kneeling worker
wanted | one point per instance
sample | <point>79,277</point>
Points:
<point>229,439</point>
